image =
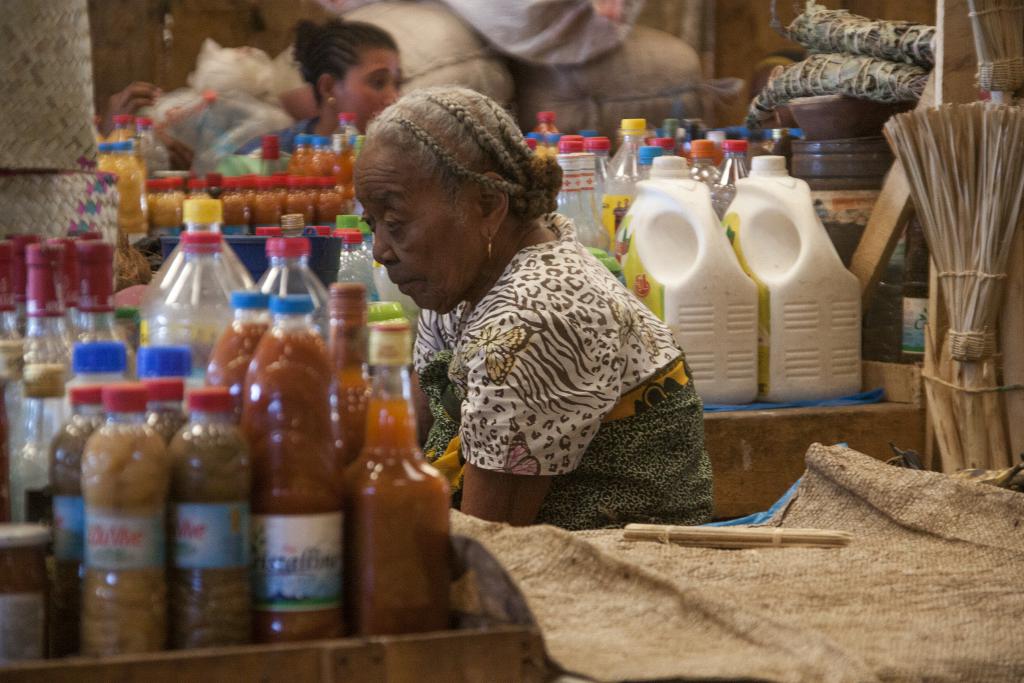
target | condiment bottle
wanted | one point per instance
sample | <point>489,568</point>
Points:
<point>234,350</point>
<point>399,557</point>
<point>296,503</point>
<point>351,387</point>
<point>300,199</point>
<point>322,161</point>
<point>132,210</point>
<point>302,153</point>
<point>125,480</point>
<point>289,273</point>
<point>69,517</point>
<point>210,487</point>
<point>237,213</point>
<point>329,201</point>
<point>46,367</point>
<point>23,591</point>
<point>197,189</point>
<point>267,207</point>
<point>163,407</point>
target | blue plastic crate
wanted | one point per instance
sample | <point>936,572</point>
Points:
<point>324,255</point>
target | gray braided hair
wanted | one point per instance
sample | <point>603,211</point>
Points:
<point>458,135</point>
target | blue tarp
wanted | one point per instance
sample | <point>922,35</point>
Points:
<point>863,398</point>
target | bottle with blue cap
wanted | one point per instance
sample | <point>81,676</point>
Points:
<point>164,361</point>
<point>98,362</point>
<point>645,159</point>
<point>302,154</point>
<point>297,499</point>
<point>235,348</point>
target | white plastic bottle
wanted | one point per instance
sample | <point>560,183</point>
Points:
<point>623,174</point>
<point>681,265</point>
<point>809,327</point>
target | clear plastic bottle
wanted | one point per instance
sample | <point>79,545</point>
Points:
<point>201,216</point>
<point>154,154</point>
<point>46,367</point>
<point>211,479</point>
<point>623,174</point>
<point>576,198</point>
<point>645,159</point>
<point>599,147</point>
<point>196,304</point>
<point>11,350</point>
<point>702,162</point>
<point>96,319</point>
<point>69,517</point>
<point>733,167</point>
<point>69,283</point>
<point>646,154</point>
<point>289,273</point>
<point>164,411</point>
<point>132,209</point>
<point>125,481</point>
<point>19,276</point>
<point>123,128</point>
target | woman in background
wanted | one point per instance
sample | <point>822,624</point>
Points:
<point>351,66</point>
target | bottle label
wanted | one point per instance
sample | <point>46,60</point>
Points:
<point>21,626</point>
<point>68,528</point>
<point>915,317</point>
<point>114,541</point>
<point>613,210</point>
<point>296,562</point>
<point>211,535</point>
<point>646,288</point>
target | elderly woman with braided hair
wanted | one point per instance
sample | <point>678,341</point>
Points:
<point>350,66</point>
<point>556,396</point>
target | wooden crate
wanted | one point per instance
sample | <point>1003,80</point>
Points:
<point>756,455</point>
<point>504,653</point>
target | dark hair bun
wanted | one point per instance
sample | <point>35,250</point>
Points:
<point>544,181</point>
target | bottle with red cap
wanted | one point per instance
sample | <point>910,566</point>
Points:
<point>164,406</point>
<point>211,482</point>
<point>600,147</point>
<point>125,483</point>
<point>193,307</point>
<point>197,189</point>
<point>270,155</point>
<point>153,152</point>
<point>734,167</point>
<point>69,517</point>
<point>10,373</point>
<point>123,128</point>
<point>576,199</point>
<point>69,283</point>
<point>289,273</point>
<point>19,275</point>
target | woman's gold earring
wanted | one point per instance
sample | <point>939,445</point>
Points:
<point>488,251</point>
<point>331,101</point>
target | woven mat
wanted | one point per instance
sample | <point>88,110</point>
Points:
<point>929,589</point>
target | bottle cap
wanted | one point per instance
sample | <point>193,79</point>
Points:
<point>69,272</point>
<point>303,139</point>
<point>704,149</point>
<point>6,276</point>
<point>129,313</point>
<point>232,183</point>
<point>91,395</point>
<point>125,398</point>
<point>734,145</point>
<point>531,143</point>
<point>270,148</point>
<point>295,181</point>
<point>155,185</point>
<point>347,220</point>
<point>390,343</point>
<point>385,311</point>
<point>164,361</point>
<point>321,142</point>
<point>103,148</point>
<point>214,179</point>
<point>545,117</point>
<point>45,271</point>
<point>317,231</point>
<point>570,146</point>
<point>768,165</point>
<point>669,166</point>
<point>201,242</point>
<point>351,236</point>
<point>122,146</point>
<point>19,271</point>
<point>165,389</point>
<point>248,300</point>
<point>122,119</point>
<point>288,247</point>
<point>293,223</point>
<point>143,122</point>
<point>326,182</point>
<point>293,304</point>
<point>210,400</point>
<point>588,133</point>
<point>667,144</point>
<point>633,125</point>
<point>100,356</point>
<point>268,231</point>
<point>551,139</point>
<point>202,210</point>
<point>648,153</point>
<point>539,137</point>
<point>175,183</point>
<point>196,184</point>
<point>265,182</point>
<point>597,144</point>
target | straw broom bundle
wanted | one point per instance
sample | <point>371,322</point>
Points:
<point>998,27</point>
<point>965,164</point>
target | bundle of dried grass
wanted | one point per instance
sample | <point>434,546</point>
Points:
<point>965,164</point>
<point>857,76</point>
<point>998,27</point>
<point>820,29</point>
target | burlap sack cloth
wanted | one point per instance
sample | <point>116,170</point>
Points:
<point>930,589</point>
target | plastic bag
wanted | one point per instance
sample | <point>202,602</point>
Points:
<point>234,69</point>
<point>215,124</point>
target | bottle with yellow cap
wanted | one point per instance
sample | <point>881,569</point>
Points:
<point>397,565</point>
<point>623,175</point>
<point>201,216</point>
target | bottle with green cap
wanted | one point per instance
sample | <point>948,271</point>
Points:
<point>356,259</point>
<point>623,174</point>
